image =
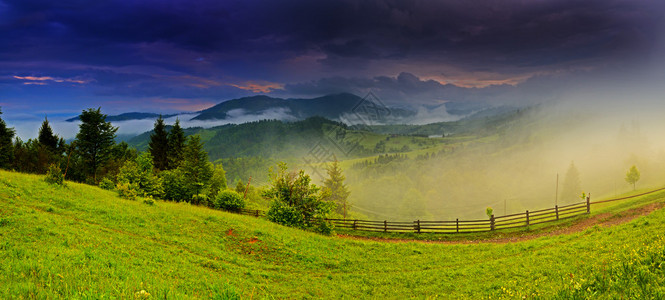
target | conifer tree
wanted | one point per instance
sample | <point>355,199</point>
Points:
<point>195,164</point>
<point>46,136</point>
<point>176,143</point>
<point>6,147</point>
<point>94,140</point>
<point>159,145</point>
<point>336,190</point>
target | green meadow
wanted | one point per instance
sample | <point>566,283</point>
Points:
<point>81,242</point>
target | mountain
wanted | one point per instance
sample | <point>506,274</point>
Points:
<point>128,116</point>
<point>329,106</point>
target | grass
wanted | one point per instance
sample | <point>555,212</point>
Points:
<point>79,241</point>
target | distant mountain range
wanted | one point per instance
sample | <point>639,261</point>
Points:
<point>128,116</point>
<point>343,106</point>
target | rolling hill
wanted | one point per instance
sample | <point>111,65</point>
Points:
<point>79,241</point>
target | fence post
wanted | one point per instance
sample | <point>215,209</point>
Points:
<point>527,218</point>
<point>354,224</point>
<point>588,203</point>
<point>385,226</point>
<point>556,208</point>
<point>417,226</point>
<point>457,225</point>
<point>257,213</point>
<point>492,222</point>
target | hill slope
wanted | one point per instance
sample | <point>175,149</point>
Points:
<point>79,241</point>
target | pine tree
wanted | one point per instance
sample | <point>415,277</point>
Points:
<point>571,184</point>
<point>46,136</point>
<point>335,189</point>
<point>94,140</point>
<point>176,142</point>
<point>159,145</point>
<point>6,147</point>
<point>195,164</point>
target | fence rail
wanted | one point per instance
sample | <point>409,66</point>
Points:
<point>516,220</point>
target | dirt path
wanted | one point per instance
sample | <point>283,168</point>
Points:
<point>605,219</point>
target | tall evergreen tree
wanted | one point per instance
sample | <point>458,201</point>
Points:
<point>159,145</point>
<point>176,142</point>
<point>94,140</point>
<point>6,147</point>
<point>195,164</point>
<point>46,136</point>
<point>335,189</point>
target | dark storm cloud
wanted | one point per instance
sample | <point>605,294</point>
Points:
<point>223,49</point>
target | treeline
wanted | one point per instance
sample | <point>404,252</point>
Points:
<point>174,167</point>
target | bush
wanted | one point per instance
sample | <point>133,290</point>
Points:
<point>126,190</point>
<point>107,184</point>
<point>175,185</point>
<point>149,201</point>
<point>295,201</point>
<point>54,175</point>
<point>229,200</point>
<point>200,199</point>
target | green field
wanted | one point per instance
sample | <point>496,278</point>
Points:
<point>79,241</point>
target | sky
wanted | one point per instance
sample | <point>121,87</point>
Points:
<point>165,56</point>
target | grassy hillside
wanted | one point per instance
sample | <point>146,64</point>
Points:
<point>79,241</point>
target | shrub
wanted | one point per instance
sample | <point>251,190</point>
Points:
<point>175,185</point>
<point>54,175</point>
<point>126,190</point>
<point>296,202</point>
<point>107,184</point>
<point>149,201</point>
<point>229,200</point>
<point>200,199</point>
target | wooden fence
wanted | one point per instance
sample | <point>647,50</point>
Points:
<point>469,226</point>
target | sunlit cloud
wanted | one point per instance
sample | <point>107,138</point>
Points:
<point>42,80</point>
<point>259,86</point>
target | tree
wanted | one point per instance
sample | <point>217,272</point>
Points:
<point>137,178</point>
<point>336,191</point>
<point>176,142</point>
<point>632,176</point>
<point>571,184</point>
<point>159,145</point>
<point>6,146</point>
<point>46,136</point>
<point>296,202</point>
<point>94,140</point>
<point>195,165</point>
<point>217,182</point>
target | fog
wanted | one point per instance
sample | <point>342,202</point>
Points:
<point>29,127</point>
<point>602,131</point>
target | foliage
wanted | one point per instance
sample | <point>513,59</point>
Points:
<point>334,188</point>
<point>195,166</point>
<point>159,145</point>
<point>217,181</point>
<point>46,136</point>
<point>127,190</point>
<point>175,185</point>
<point>489,212</point>
<point>632,176</point>
<point>200,199</point>
<point>295,202</point>
<point>240,187</point>
<point>94,140</point>
<point>139,176</point>
<point>107,184</point>
<point>54,175</point>
<point>229,200</point>
<point>6,147</point>
<point>176,142</point>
